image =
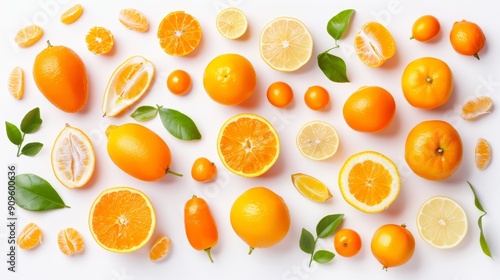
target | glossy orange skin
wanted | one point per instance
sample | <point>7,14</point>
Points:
<point>179,82</point>
<point>201,230</point>
<point>203,170</point>
<point>347,242</point>
<point>279,94</point>
<point>316,98</point>
<point>392,245</point>
<point>467,38</point>
<point>425,28</point>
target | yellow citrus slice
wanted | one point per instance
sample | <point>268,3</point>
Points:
<point>231,23</point>
<point>99,40</point>
<point>160,249</point>
<point>369,181</point>
<point>442,222</point>
<point>72,157</point>
<point>285,44</point>
<point>28,35</point>
<point>128,83</point>
<point>482,153</point>
<point>70,241</point>
<point>248,145</point>
<point>122,219</point>
<point>16,82</point>
<point>476,107</point>
<point>317,140</point>
<point>311,187</point>
<point>134,20</point>
<point>374,44</point>
<point>30,236</point>
<point>72,14</point>
<point>179,33</point>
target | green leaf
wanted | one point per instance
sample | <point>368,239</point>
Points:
<point>323,256</point>
<point>31,121</point>
<point>482,239</point>
<point>328,224</point>
<point>476,200</point>
<point>306,241</point>
<point>333,67</point>
<point>338,24</point>
<point>35,194</point>
<point>144,113</point>
<point>179,125</point>
<point>31,149</point>
<point>13,133</point>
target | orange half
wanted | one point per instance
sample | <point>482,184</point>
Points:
<point>179,33</point>
<point>99,40</point>
<point>374,44</point>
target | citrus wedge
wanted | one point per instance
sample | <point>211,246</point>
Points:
<point>160,249</point>
<point>442,222</point>
<point>179,33</point>
<point>317,140</point>
<point>72,157</point>
<point>128,83</point>
<point>482,153</point>
<point>134,20</point>
<point>311,187</point>
<point>374,44</point>
<point>70,241</point>
<point>476,107</point>
<point>72,14</point>
<point>248,145</point>
<point>99,40</point>
<point>28,35</point>
<point>122,219</point>
<point>369,181</point>
<point>16,82</point>
<point>285,44</point>
<point>30,236</point>
<point>231,23</point>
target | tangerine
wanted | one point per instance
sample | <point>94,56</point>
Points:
<point>392,245</point>
<point>425,28</point>
<point>467,38</point>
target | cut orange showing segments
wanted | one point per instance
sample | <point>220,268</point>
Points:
<point>248,145</point>
<point>128,83</point>
<point>99,40</point>
<point>28,35</point>
<point>134,20</point>
<point>476,107</point>
<point>30,236</point>
<point>310,187</point>
<point>16,82</point>
<point>374,44</point>
<point>231,23</point>
<point>179,33</point>
<point>160,249</point>
<point>122,219</point>
<point>369,181</point>
<point>482,153</point>
<point>73,158</point>
<point>72,14</point>
<point>285,44</point>
<point>317,140</point>
<point>70,241</point>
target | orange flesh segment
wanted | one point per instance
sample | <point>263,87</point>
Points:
<point>370,182</point>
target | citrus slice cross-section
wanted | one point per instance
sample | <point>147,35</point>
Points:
<point>16,82</point>
<point>70,241</point>
<point>72,14</point>
<point>99,40</point>
<point>28,35</point>
<point>285,44</point>
<point>482,153</point>
<point>369,181</point>
<point>374,44</point>
<point>248,145</point>
<point>442,222</point>
<point>134,20</point>
<point>317,140</point>
<point>231,23</point>
<point>311,187</point>
<point>476,107</point>
<point>122,219</point>
<point>128,83</point>
<point>179,33</point>
<point>160,249</point>
<point>30,236</point>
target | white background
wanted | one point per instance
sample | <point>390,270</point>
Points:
<point>285,260</point>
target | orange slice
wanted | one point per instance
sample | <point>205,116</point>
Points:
<point>179,33</point>
<point>317,140</point>
<point>72,14</point>
<point>160,249</point>
<point>122,219</point>
<point>99,40</point>
<point>16,82</point>
<point>310,187</point>
<point>231,23</point>
<point>29,35</point>
<point>70,241</point>
<point>374,44</point>
<point>482,153</point>
<point>30,236</point>
<point>128,83</point>
<point>476,107</point>
<point>369,181</point>
<point>248,145</point>
<point>134,20</point>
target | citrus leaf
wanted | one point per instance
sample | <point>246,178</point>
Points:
<point>328,224</point>
<point>306,241</point>
<point>323,256</point>
<point>144,113</point>
<point>476,200</point>
<point>31,121</point>
<point>35,194</point>
<point>13,133</point>
<point>179,125</point>
<point>333,67</point>
<point>338,24</point>
<point>482,239</point>
<point>31,149</point>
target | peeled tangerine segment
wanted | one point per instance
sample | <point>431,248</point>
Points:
<point>128,83</point>
<point>374,44</point>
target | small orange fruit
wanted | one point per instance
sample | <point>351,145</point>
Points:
<point>201,230</point>
<point>476,107</point>
<point>70,241</point>
<point>347,242</point>
<point>179,33</point>
<point>203,170</point>
<point>229,79</point>
<point>425,28</point>
<point>369,109</point>
<point>133,19</point>
<point>467,38</point>
<point>427,83</point>
<point>374,44</point>
<point>29,237</point>
<point>316,98</point>
<point>179,82</point>
<point>99,40</point>
<point>279,94</point>
<point>392,245</point>
<point>482,153</point>
<point>16,82</point>
<point>433,150</point>
<point>72,14</point>
<point>160,249</point>
<point>28,35</point>
<point>260,218</point>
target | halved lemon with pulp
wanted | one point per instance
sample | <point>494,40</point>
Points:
<point>231,23</point>
<point>311,187</point>
<point>374,44</point>
<point>317,140</point>
<point>128,83</point>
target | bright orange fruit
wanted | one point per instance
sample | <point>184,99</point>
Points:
<point>392,245</point>
<point>425,28</point>
<point>16,82</point>
<point>179,33</point>
<point>28,35</point>
<point>476,107</point>
<point>70,241</point>
<point>467,38</point>
<point>200,226</point>
<point>374,44</point>
<point>29,237</point>
<point>482,153</point>
<point>72,14</point>
<point>99,40</point>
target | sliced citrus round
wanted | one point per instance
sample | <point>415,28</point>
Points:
<point>72,14</point>
<point>317,140</point>
<point>231,23</point>
<point>28,35</point>
<point>134,20</point>
<point>482,153</point>
<point>160,249</point>
<point>476,107</point>
<point>122,219</point>
<point>248,145</point>
<point>285,44</point>
<point>99,40</point>
<point>369,181</point>
<point>16,82</point>
<point>179,33</point>
<point>311,187</point>
<point>70,241</point>
<point>128,83</point>
<point>30,236</point>
<point>72,157</point>
<point>374,44</point>
<point>442,222</point>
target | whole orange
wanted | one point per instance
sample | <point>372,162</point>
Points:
<point>433,150</point>
<point>369,109</point>
<point>61,77</point>
<point>260,218</point>
<point>467,38</point>
<point>427,83</point>
<point>229,79</point>
<point>425,28</point>
<point>392,245</point>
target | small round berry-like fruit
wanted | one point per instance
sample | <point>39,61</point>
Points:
<point>279,94</point>
<point>316,97</point>
<point>347,242</point>
<point>203,170</point>
<point>179,82</point>
<point>425,28</point>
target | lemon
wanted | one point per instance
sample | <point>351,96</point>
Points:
<point>317,140</point>
<point>311,187</point>
<point>231,23</point>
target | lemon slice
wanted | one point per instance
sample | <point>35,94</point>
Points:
<point>317,140</point>
<point>231,23</point>
<point>311,187</point>
<point>128,83</point>
<point>442,222</point>
<point>285,44</point>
